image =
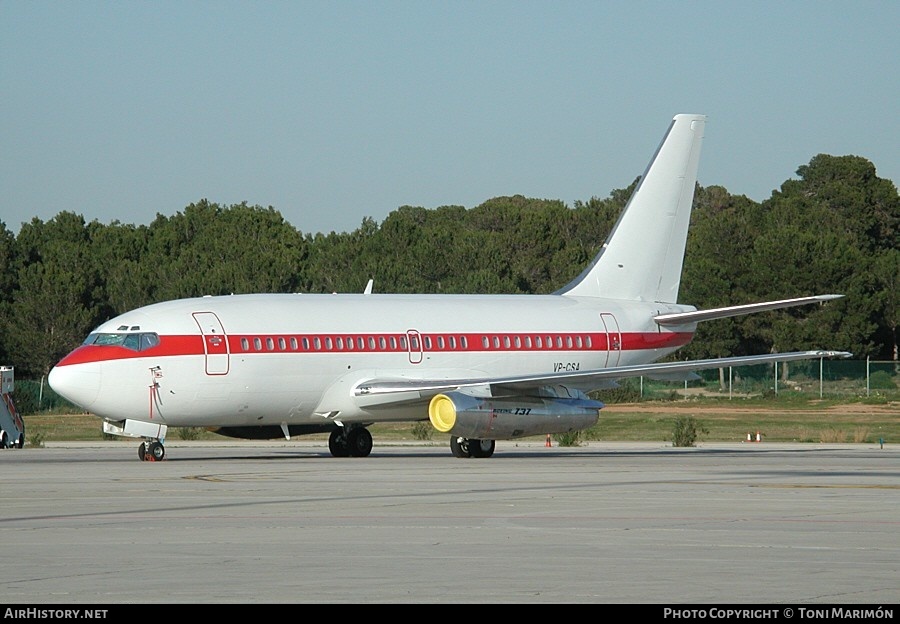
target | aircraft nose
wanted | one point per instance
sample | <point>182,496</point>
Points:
<point>76,383</point>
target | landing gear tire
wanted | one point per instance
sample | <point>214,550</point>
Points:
<point>359,441</point>
<point>337,444</point>
<point>460,447</point>
<point>4,439</point>
<point>20,443</point>
<point>157,451</point>
<point>356,442</point>
<point>482,448</point>
<point>151,451</point>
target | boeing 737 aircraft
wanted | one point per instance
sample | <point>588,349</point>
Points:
<point>481,368</point>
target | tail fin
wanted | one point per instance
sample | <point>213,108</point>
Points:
<point>642,257</point>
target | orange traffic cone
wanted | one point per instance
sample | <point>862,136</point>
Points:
<point>548,441</point>
<point>757,437</point>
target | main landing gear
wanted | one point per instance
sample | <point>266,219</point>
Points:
<point>470,447</point>
<point>350,441</point>
<point>151,450</point>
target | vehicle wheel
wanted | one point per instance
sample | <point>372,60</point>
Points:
<point>157,451</point>
<point>459,447</point>
<point>359,442</point>
<point>20,443</point>
<point>482,448</point>
<point>337,444</point>
<point>4,439</point>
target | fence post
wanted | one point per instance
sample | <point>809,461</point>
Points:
<point>867,375</point>
<point>821,367</point>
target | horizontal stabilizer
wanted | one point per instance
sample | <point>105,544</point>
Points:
<point>683,318</point>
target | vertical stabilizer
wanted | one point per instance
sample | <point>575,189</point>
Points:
<point>642,257</point>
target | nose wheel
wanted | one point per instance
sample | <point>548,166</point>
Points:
<point>151,450</point>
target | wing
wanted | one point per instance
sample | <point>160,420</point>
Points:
<point>406,389</point>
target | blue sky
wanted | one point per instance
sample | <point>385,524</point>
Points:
<point>333,111</point>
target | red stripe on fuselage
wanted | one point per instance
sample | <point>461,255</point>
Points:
<point>168,346</point>
<point>349,343</point>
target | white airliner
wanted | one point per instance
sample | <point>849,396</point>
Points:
<point>481,368</point>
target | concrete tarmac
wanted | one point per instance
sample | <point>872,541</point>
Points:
<point>284,522</point>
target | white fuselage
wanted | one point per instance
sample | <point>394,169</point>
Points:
<point>248,360</point>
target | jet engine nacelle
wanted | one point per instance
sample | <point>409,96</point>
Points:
<point>488,418</point>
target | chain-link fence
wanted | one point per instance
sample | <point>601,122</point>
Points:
<point>824,379</point>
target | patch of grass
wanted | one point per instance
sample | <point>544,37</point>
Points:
<point>569,438</point>
<point>190,433</point>
<point>686,431</point>
<point>422,431</point>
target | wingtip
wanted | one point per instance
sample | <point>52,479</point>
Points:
<point>834,354</point>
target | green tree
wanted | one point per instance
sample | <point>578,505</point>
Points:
<point>211,250</point>
<point>56,301</point>
<point>9,266</point>
<point>824,233</point>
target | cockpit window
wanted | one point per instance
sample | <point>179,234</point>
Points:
<point>134,341</point>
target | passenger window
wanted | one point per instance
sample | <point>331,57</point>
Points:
<point>463,342</point>
<point>281,344</point>
<point>484,342</point>
<point>257,344</point>
<point>245,344</point>
<point>328,342</point>
<point>305,343</point>
<point>293,343</point>
<point>428,342</point>
<point>270,344</point>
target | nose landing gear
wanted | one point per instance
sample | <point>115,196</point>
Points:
<point>151,450</point>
